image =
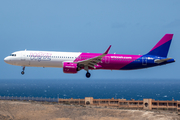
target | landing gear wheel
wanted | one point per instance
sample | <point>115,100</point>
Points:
<point>22,72</point>
<point>88,74</point>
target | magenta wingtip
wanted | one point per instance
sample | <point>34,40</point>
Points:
<point>107,50</point>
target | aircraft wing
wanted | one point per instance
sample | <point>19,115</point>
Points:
<point>93,61</point>
<point>161,60</point>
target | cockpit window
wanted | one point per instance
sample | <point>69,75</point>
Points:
<point>13,54</point>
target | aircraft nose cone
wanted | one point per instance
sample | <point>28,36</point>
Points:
<point>6,60</point>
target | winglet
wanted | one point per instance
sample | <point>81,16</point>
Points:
<point>107,50</point>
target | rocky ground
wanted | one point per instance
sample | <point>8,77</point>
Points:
<point>17,110</point>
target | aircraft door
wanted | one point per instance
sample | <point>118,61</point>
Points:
<point>23,56</point>
<point>24,62</point>
<point>144,61</point>
<point>107,59</point>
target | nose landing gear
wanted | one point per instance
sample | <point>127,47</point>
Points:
<point>23,71</point>
<point>88,74</point>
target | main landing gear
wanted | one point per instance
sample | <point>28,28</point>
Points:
<point>88,74</point>
<point>23,71</point>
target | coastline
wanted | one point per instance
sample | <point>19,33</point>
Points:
<point>21,110</point>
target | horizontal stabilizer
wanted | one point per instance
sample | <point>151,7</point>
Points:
<point>161,60</point>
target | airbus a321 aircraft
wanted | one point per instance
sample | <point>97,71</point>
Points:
<point>72,62</point>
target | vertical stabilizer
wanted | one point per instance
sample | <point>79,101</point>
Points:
<point>162,47</point>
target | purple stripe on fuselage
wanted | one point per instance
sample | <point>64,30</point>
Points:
<point>110,61</point>
<point>163,40</point>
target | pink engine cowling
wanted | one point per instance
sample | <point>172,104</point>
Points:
<point>69,67</point>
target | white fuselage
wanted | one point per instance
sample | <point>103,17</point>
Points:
<point>41,58</point>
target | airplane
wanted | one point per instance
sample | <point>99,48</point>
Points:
<point>72,62</point>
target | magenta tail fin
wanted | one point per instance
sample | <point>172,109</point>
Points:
<point>162,47</point>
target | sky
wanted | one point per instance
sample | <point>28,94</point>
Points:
<point>130,26</point>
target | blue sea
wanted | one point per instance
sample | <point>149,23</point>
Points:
<point>163,89</point>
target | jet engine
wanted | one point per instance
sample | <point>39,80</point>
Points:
<point>69,67</point>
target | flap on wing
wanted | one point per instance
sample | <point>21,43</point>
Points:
<point>161,60</point>
<point>93,61</point>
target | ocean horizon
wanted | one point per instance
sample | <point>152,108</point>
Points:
<point>138,89</point>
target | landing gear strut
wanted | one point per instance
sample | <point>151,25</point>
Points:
<point>88,74</point>
<point>87,69</point>
<point>23,71</point>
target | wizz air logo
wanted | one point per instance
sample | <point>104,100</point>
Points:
<point>121,57</point>
<point>39,56</point>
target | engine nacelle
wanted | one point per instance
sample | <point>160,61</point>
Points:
<point>69,67</point>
